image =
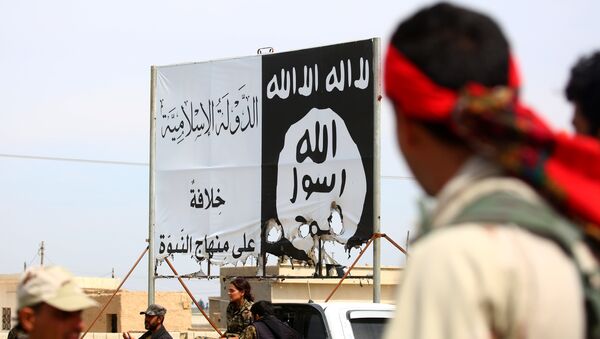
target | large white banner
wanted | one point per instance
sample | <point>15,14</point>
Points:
<point>279,144</point>
<point>208,160</point>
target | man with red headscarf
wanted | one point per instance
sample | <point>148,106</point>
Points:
<point>489,261</point>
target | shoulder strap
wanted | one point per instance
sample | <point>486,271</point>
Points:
<point>502,208</point>
<point>506,207</point>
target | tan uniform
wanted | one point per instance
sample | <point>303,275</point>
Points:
<point>486,281</point>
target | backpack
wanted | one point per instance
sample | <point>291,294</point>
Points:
<point>503,208</point>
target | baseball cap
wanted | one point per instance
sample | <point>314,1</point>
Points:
<point>54,286</point>
<point>155,309</point>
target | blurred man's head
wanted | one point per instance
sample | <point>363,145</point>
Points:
<point>154,317</point>
<point>452,47</point>
<point>583,90</point>
<point>50,303</point>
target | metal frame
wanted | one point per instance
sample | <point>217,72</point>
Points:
<point>152,187</point>
<point>261,263</point>
<point>377,174</point>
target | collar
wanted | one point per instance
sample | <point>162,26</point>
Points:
<point>433,210</point>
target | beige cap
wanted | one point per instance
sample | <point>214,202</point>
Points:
<point>54,286</point>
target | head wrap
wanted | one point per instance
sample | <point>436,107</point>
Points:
<point>495,124</point>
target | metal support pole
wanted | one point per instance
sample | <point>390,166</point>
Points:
<point>319,266</point>
<point>42,254</point>
<point>376,236</point>
<point>377,174</point>
<point>351,267</point>
<point>395,244</point>
<point>192,297</point>
<point>151,187</point>
<point>115,293</point>
<point>261,265</point>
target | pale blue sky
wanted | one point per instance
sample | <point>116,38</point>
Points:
<point>75,83</point>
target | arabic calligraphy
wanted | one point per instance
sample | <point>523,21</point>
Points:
<point>317,163</point>
<point>335,80</point>
<point>198,200</point>
<point>318,154</point>
<point>247,247</point>
<point>200,249</point>
<point>285,83</point>
<point>234,112</point>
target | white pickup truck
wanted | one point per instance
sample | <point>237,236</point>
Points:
<point>336,320</point>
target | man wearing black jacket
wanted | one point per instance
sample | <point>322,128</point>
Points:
<point>153,322</point>
<point>266,325</point>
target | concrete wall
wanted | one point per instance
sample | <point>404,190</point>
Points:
<point>127,305</point>
<point>102,296</point>
<point>8,295</point>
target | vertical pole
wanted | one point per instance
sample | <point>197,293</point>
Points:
<point>407,241</point>
<point>261,265</point>
<point>376,173</point>
<point>42,254</point>
<point>151,186</point>
<point>319,272</point>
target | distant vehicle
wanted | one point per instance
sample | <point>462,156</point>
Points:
<point>336,320</point>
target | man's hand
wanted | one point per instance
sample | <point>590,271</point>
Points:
<point>126,335</point>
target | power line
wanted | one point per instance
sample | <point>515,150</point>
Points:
<point>397,177</point>
<point>108,162</point>
<point>130,163</point>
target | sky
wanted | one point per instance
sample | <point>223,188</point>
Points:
<point>75,84</point>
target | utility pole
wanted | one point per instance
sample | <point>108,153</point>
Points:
<point>42,254</point>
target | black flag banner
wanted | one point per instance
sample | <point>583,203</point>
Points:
<point>317,146</point>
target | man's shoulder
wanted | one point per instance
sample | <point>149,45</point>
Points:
<point>488,251</point>
<point>458,238</point>
<point>163,334</point>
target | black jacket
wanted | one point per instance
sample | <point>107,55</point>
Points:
<point>269,327</point>
<point>160,334</point>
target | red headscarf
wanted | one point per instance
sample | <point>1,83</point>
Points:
<point>563,168</point>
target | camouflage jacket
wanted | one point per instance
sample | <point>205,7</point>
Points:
<point>238,318</point>
<point>249,333</point>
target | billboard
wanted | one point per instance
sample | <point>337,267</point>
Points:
<point>273,144</point>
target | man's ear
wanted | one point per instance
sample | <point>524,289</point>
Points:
<point>26,317</point>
